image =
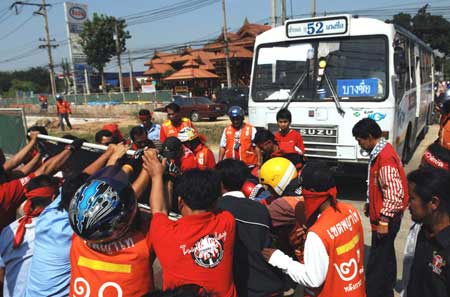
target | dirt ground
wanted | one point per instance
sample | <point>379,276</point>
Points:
<point>87,127</point>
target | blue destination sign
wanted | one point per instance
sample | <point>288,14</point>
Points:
<point>319,27</point>
<point>357,87</point>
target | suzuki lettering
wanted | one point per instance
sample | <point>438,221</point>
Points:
<point>318,132</point>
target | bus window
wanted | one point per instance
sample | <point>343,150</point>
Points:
<point>353,68</point>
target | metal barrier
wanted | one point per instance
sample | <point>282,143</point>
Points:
<point>97,98</point>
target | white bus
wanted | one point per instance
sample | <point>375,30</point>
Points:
<point>333,71</point>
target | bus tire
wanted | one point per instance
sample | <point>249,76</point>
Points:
<point>406,154</point>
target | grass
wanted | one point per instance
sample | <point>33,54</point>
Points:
<point>212,131</point>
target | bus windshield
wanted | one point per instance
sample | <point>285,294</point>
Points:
<point>353,68</point>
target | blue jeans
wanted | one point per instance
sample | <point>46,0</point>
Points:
<point>64,116</point>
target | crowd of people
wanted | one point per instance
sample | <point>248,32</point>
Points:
<point>258,222</point>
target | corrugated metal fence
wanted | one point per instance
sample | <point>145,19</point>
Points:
<point>98,98</point>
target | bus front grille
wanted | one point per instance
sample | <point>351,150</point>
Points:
<point>320,141</point>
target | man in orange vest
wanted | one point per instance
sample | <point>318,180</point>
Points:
<point>174,123</point>
<point>63,110</point>
<point>334,246</point>
<point>237,140</point>
<point>111,249</point>
<point>203,155</point>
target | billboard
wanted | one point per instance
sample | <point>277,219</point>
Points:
<point>76,14</point>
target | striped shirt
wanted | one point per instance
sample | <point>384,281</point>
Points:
<point>393,192</point>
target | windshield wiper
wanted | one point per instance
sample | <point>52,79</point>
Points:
<point>295,89</point>
<point>334,95</point>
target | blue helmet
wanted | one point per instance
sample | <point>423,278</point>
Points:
<point>236,111</point>
<point>102,210</point>
<point>58,97</point>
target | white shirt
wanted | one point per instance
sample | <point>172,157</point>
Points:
<point>311,274</point>
<point>237,135</point>
<point>237,194</point>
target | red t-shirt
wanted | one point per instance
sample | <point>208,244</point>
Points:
<point>196,249</point>
<point>11,194</point>
<point>293,137</point>
<point>205,157</point>
<point>188,160</point>
<point>119,268</point>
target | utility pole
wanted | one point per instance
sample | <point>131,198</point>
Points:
<point>225,41</point>
<point>313,8</point>
<point>49,49</point>
<point>118,50</point>
<point>43,11</point>
<point>283,11</point>
<point>131,73</point>
<point>274,13</point>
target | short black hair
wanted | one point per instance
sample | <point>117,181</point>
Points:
<point>137,130</point>
<point>366,127</point>
<point>432,182</point>
<point>144,112</point>
<point>233,173</point>
<point>40,181</point>
<point>262,135</point>
<point>40,129</point>
<point>102,133</point>
<point>69,188</point>
<point>317,176</point>
<point>199,189</point>
<point>284,114</point>
<point>173,106</point>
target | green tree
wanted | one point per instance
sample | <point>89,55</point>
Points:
<point>21,85</point>
<point>433,29</point>
<point>38,75</point>
<point>97,41</point>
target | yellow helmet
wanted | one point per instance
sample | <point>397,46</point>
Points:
<point>277,173</point>
<point>187,134</point>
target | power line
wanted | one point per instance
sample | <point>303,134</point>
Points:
<point>16,29</point>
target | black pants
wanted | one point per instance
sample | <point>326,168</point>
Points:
<point>381,270</point>
<point>64,116</point>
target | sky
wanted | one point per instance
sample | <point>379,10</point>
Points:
<point>20,33</point>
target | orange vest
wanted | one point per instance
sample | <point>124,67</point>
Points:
<point>63,107</point>
<point>119,268</point>
<point>342,234</point>
<point>170,130</point>
<point>204,156</point>
<point>246,151</point>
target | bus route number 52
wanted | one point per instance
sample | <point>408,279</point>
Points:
<point>315,28</point>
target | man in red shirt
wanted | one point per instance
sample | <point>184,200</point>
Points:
<point>63,110</point>
<point>177,154</point>
<point>204,156</point>
<point>286,134</point>
<point>271,148</point>
<point>198,248</point>
<point>12,192</point>
<point>387,199</point>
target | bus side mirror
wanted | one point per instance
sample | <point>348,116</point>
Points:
<point>400,60</point>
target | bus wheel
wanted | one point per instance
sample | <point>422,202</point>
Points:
<point>406,154</point>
